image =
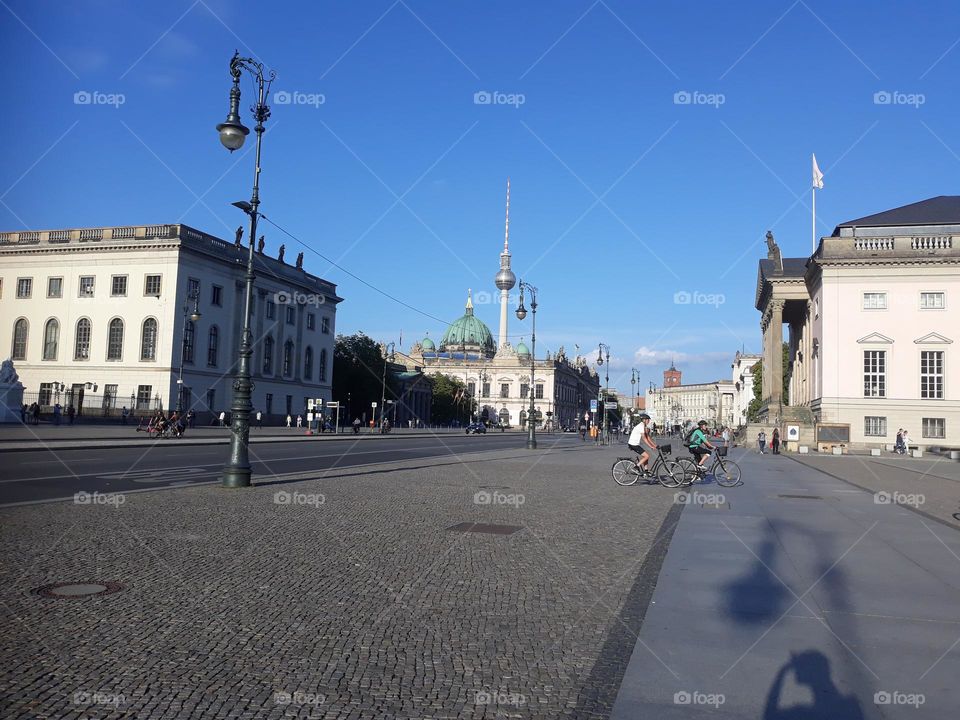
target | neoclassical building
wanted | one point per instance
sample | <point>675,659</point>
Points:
<point>675,404</point>
<point>871,320</point>
<point>107,317</point>
<point>498,375</point>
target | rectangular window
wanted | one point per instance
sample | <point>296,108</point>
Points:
<point>289,404</point>
<point>933,301</point>
<point>86,285</point>
<point>325,325</point>
<point>504,390</point>
<point>471,389</point>
<point>874,301</point>
<point>524,390</point>
<point>212,400</point>
<point>193,287</point>
<point>271,310</point>
<point>55,287</point>
<point>143,396</point>
<point>291,316</point>
<point>118,286</point>
<point>269,403</point>
<point>931,374</point>
<point>539,391</point>
<point>151,286</point>
<point>486,390</point>
<point>874,373</point>
<point>875,426</point>
<point>216,295</point>
<point>311,321</point>
<point>46,389</point>
<point>24,287</point>
<point>934,427</point>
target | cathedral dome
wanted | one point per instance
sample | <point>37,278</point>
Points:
<point>468,331</point>
<point>523,349</point>
<point>428,345</point>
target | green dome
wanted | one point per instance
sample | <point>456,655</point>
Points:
<point>468,331</point>
<point>522,349</point>
<point>427,344</point>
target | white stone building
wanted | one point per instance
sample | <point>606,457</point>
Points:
<point>872,316</point>
<point>100,318</point>
<point>742,378</point>
<point>675,404</point>
<point>498,375</point>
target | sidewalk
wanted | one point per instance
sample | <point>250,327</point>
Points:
<point>65,437</point>
<point>821,605</point>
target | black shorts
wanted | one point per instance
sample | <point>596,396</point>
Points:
<point>699,451</point>
<point>641,449</point>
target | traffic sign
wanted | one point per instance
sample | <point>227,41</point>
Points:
<point>593,405</point>
<point>373,404</point>
<point>310,403</point>
<point>610,405</point>
<point>333,404</point>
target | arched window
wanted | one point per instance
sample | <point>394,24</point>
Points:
<point>189,341</point>
<point>148,340</point>
<point>288,358</point>
<point>308,364</point>
<point>213,346</point>
<point>81,342</point>
<point>267,355</point>
<point>51,339</point>
<point>21,328</point>
<point>115,340</point>
<point>322,374</point>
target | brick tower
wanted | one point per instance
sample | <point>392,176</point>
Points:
<point>671,377</point>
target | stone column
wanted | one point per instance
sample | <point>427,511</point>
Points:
<point>776,354</point>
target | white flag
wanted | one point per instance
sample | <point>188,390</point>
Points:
<point>817,175</point>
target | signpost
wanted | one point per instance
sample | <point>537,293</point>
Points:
<point>336,406</point>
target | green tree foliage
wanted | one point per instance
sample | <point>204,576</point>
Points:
<point>753,409</point>
<point>358,372</point>
<point>450,401</point>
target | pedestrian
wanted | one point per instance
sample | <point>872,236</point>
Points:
<point>23,413</point>
<point>71,413</point>
<point>36,413</point>
<point>776,441</point>
<point>191,417</point>
<point>259,419</point>
<point>356,426</point>
<point>124,414</point>
<point>223,418</point>
<point>762,441</point>
<point>906,442</point>
<point>726,437</point>
<point>289,420</point>
<point>57,410</point>
<point>299,421</point>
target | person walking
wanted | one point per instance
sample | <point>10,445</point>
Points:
<point>23,414</point>
<point>223,418</point>
<point>71,413</point>
<point>259,419</point>
<point>776,441</point>
<point>300,421</point>
<point>762,442</point>
<point>356,426</point>
<point>289,420</point>
<point>124,414</point>
<point>726,437</point>
<point>57,411</point>
<point>906,442</point>
<point>36,413</point>
<point>191,417</point>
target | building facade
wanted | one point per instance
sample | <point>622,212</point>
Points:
<point>872,317</point>
<point>106,318</point>
<point>674,404</point>
<point>742,378</point>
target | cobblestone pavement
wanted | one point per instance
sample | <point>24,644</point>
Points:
<point>929,485</point>
<point>344,596</point>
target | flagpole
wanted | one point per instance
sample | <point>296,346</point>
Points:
<point>813,228</point>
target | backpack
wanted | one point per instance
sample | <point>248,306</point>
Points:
<point>688,436</point>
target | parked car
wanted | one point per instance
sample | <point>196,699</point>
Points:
<point>476,428</point>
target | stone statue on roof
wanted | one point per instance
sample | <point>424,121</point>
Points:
<point>773,251</point>
<point>239,236</point>
<point>260,244</point>
<point>283,249</point>
<point>300,261</point>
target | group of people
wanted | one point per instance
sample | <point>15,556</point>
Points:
<point>774,442</point>
<point>31,413</point>
<point>160,423</point>
<point>901,445</point>
<point>641,442</point>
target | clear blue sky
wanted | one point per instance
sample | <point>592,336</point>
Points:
<point>695,186</point>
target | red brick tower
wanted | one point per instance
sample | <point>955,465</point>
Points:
<point>671,377</point>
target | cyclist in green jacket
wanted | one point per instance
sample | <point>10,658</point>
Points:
<point>698,441</point>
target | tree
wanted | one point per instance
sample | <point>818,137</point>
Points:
<point>753,409</point>
<point>358,367</point>
<point>450,401</point>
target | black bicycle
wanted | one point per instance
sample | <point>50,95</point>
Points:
<point>626,471</point>
<point>725,471</point>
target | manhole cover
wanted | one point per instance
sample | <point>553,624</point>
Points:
<point>485,528</point>
<point>73,590</point>
<point>802,497</point>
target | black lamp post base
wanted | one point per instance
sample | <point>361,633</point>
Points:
<point>236,477</point>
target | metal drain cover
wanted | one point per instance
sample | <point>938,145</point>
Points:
<point>74,590</point>
<point>485,528</point>
<point>802,497</point>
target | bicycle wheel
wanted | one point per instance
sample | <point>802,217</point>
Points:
<point>670,474</point>
<point>625,472</point>
<point>689,469</point>
<point>726,472</point>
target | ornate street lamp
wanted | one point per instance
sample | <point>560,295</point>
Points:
<point>388,351</point>
<point>237,471</point>
<point>521,314</point>
<point>606,418</point>
<point>192,296</point>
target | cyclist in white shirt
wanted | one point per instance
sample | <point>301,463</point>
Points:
<point>641,442</point>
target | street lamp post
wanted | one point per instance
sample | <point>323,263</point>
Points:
<point>388,351</point>
<point>604,348</point>
<point>193,295</point>
<point>521,314</point>
<point>237,472</point>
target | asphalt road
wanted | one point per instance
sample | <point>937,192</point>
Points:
<point>43,476</point>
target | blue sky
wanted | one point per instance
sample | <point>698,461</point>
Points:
<point>623,195</point>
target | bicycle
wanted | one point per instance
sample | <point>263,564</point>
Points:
<point>626,471</point>
<point>726,472</point>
